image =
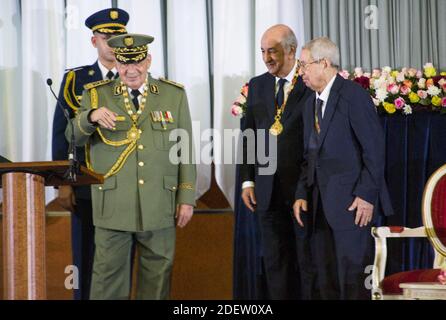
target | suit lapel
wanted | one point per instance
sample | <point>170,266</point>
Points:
<point>330,108</point>
<point>97,75</point>
<point>270,96</point>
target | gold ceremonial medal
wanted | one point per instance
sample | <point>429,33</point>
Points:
<point>277,128</point>
<point>133,134</point>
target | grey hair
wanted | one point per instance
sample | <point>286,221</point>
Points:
<point>324,48</point>
<point>289,41</point>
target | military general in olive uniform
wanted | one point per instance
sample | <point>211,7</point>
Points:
<point>125,125</point>
<point>104,24</point>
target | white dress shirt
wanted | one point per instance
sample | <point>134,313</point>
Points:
<point>325,94</point>
<point>104,70</point>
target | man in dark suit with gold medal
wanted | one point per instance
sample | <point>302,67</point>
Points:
<point>274,106</point>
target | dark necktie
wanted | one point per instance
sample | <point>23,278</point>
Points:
<point>318,115</point>
<point>280,98</point>
<point>135,94</point>
<point>110,75</point>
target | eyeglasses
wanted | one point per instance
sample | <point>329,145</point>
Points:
<point>304,65</point>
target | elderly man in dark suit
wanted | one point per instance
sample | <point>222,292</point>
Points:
<point>344,172</point>
<point>274,107</point>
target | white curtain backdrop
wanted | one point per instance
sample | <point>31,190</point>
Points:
<point>239,26</point>
<point>40,39</point>
<point>78,47</point>
<point>145,18</point>
<point>187,47</point>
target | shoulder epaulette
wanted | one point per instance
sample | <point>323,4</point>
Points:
<point>96,84</point>
<point>75,69</point>
<point>176,84</point>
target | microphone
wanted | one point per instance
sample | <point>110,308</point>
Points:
<point>71,174</point>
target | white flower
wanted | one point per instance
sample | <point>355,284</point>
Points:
<point>433,91</point>
<point>407,110</point>
<point>376,102</point>
<point>391,80</point>
<point>422,83</point>
<point>441,82</point>
<point>381,94</point>
<point>428,65</point>
<point>401,77</point>
<point>380,83</point>
<point>387,69</point>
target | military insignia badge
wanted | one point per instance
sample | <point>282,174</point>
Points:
<point>114,14</point>
<point>154,89</point>
<point>118,90</point>
<point>128,41</point>
<point>91,73</point>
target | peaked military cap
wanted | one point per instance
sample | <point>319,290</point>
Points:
<point>130,48</point>
<point>109,21</point>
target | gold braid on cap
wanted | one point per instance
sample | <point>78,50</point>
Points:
<point>135,50</point>
<point>105,27</point>
<point>138,58</point>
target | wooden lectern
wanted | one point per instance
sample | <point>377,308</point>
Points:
<point>24,223</point>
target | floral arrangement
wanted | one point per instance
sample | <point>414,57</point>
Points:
<point>239,106</point>
<point>393,91</point>
<point>405,90</point>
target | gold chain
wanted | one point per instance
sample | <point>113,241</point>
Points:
<point>130,112</point>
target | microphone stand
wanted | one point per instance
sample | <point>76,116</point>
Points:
<point>74,168</point>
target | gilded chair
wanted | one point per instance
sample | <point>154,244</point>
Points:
<point>434,221</point>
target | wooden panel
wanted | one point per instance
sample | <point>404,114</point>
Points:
<point>58,257</point>
<point>203,259</point>
<point>24,237</point>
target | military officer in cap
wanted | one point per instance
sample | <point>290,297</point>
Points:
<point>126,125</point>
<point>104,24</point>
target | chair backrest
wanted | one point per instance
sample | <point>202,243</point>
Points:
<point>434,210</point>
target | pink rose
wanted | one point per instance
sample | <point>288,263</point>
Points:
<point>245,90</point>
<point>405,90</point>
<point>443,102</point>
<point>400,103</point>
<point>444,87</point>
<point>236,110</point>
<point>419,74</point>
<point>393,88</point>
<point>345,74</point>
<point>422,94</point>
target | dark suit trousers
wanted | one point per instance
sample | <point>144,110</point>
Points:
<point>341,258</point>
<point>286,252</point>
<point>82,241</point>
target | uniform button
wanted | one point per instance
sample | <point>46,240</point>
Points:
<point>140,147</point>
<point>141,164</point>
<point>100,188</point>
<point>174,188</point>
<point>141,182</point>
